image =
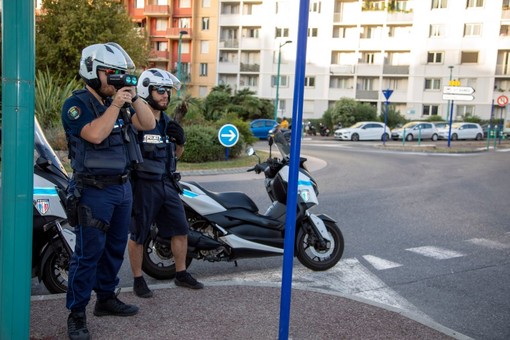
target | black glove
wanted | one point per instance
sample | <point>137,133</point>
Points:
<point>176,133</point>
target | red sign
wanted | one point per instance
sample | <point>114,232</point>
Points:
<point>502,100</point>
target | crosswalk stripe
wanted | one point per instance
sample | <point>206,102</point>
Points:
<point>435,252</point>
<point>489,243</point>
<point>379,263</point>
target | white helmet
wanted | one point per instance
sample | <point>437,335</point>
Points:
<point>158,78</point>
<point>110,55</point>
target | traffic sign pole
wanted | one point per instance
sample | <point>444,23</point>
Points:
<point>228,135</point>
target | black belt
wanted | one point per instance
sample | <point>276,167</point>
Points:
<point>101,181</point>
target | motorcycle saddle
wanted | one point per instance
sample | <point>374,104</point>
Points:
<point>231,199</point>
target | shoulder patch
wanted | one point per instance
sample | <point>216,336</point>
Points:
<point>74,113</point>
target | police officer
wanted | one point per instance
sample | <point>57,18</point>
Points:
<point>98,149</point>
<point>156,191</point>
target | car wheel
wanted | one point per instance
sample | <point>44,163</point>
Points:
<point>409,138</point>
<point>454,136</point>
<point>434,137</point>
<point>479,136</point>
<point>355,137</point>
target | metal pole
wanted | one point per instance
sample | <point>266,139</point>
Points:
<point>181,33</point>
<point>278,77</point>
<point>449,102</point>
<point>385,121</point>
<point>451,120</point>
<point>18,83</point>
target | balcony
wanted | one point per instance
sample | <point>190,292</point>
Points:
<point>502,69</point>
<point>159,55</point>
<point>250,67</point>
<point>341,69</point>
<point>157,10</point>
<point>367,95</point>
<point>174,32</point>
<point>395,69</point>
<point>229,43</point>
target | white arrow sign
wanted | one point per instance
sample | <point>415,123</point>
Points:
<point>458,97</point>
<point>458,90</point>
<point>230,135</point>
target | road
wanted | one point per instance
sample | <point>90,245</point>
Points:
<point>427,233</point>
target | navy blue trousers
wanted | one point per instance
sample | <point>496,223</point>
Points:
<point>98,255</point>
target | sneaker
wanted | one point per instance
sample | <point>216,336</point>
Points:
<point>114,306</point>
<point>141,289</point>
<point>188,281</point>
<point>77,326</point>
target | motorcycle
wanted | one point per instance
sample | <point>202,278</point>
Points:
<point>226,226</point>
<point>324,131</point>
<point>53,238</point>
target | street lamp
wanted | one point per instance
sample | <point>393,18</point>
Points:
<point>181,33</point>
<point>278,77</point>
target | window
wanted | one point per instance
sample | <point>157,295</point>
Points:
<point>436,31</point>
<point>309,81</point>
<point>203,69</point>
<point>504,30</point>
<point>315,6</point>
<point>161,25</point>
<point>204,46</point>
<point>283,81</point>
<point>435,57</point>
<point>340,83</point>
<point>161,46</point>
<point>471,82</point>
<point>138,3</point>
<point>312,32</point>
<point>474,3</point>
<point>465,111</point>
<point>367,84</point>
<point>432,84</point>
<point>251,32</point>
<point>439,4</point>
<point>205,24</point>
<point>184,3</point>
<point>468,57</point>
<point>206,3</point>
<point>472,30</point>
<point>430,110</point>
<point>185,47</point>
<point>281,32</point>
<point>368,57</point>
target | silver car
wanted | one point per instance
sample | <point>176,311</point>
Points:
<point>415,130</point>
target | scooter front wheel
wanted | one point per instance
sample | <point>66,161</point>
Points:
<point>55,269</point>
<point>314,257</point>
<point>158,260</point>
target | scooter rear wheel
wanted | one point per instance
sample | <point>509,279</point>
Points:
<point>158,260</point>
<point>309,254</point>
<point>56,269</point>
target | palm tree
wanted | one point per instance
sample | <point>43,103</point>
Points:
<point>180,106</point>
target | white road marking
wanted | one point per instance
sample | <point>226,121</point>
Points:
<point>379,263</point>
<point>489,243</point>
<point>436,252</point>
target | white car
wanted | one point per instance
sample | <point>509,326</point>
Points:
<point>462,131</point>
<point>415,130</point>
<point>364,131</point>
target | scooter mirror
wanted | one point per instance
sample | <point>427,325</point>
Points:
<point>250,151</point>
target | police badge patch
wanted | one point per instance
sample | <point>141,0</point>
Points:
<point>74,113</point>
<point>42,205</point>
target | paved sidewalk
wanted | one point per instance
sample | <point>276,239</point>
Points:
<point>231,311</point>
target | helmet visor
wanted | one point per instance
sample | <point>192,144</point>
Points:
<point>129,61</point>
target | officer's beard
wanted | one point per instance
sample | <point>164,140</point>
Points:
<point>156,105</point>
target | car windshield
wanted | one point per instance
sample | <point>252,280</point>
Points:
<point>409,125</point>
<point>357,125</point>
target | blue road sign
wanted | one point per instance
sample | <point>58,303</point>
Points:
<point>387,93</point>
<point>228,135</point>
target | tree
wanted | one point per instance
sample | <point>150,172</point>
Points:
<point>68,26</point>
<point>181,105</point>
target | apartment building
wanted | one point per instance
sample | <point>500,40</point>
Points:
<point>355,49</point>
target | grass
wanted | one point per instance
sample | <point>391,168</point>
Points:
<point>244,161</point>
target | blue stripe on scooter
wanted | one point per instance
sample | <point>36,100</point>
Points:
<point>45,191</point>
<point>189,194</point>
<point>301,182</point>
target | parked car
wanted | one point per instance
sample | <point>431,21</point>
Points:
<point>462,131</point>
<point>415,130</point>
<point>363,131</point>
<point>441,125</point>
<point>261,127</point>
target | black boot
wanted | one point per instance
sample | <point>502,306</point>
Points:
<point>77,326</point>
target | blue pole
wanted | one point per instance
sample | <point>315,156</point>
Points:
<point>297,115</point>
<point>18,83</point>
<point>385,121</point>
<point>451,121</point>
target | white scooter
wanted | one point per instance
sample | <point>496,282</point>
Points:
<point>227,226</point>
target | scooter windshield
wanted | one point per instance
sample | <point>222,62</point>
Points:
<point>281,143</point>
<point>45,152</point>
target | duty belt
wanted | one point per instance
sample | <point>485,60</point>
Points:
<point>101,181</point>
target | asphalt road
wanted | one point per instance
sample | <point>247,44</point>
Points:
<point>427,233</point>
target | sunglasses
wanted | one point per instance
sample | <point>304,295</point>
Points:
<point>112,71</point>
<point>162,90</point>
